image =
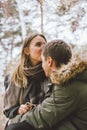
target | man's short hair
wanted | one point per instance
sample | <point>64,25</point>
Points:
<point>59,51</point>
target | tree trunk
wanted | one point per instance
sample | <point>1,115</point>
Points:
<point>23,27</point>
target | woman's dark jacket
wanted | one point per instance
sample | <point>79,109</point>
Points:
<point>32,93</point>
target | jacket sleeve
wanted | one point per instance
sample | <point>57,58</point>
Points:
<point>52,110</point>
<point>11,100</point>
<point>12,112</point>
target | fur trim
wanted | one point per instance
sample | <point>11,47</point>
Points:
<point>77,65</point>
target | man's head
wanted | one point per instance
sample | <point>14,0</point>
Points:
<point>54,54</point>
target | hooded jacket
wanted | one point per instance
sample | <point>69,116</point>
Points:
<point>66,107</point>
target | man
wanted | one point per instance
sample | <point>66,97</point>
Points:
<point>66,107</point>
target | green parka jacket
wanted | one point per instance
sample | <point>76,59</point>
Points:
<point>66,108</point>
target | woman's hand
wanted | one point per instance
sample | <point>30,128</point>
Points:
<point>25,107</point>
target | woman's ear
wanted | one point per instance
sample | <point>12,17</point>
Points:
<point>26,51</point>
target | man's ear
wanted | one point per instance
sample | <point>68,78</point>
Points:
<point>26,51</point>
<point>50,61</point>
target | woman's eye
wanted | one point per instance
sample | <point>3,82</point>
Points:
<point>38,44</point>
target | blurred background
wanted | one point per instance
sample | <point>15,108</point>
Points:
<point>63,19</point>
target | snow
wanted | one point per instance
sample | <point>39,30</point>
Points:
<point>16,51</point>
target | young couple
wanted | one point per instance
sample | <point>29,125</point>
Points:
<point>58,100</point>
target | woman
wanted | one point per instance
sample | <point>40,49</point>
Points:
<point>25,82</point>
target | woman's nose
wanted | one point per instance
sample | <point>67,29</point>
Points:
<point>42,46</point>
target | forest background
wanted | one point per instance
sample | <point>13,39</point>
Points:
<point>63,19</point>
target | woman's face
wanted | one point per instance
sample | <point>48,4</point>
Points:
<point>35,49</point>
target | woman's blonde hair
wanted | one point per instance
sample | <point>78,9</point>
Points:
<point>19,76</point>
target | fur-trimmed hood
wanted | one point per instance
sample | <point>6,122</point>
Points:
<point>77,65</point>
